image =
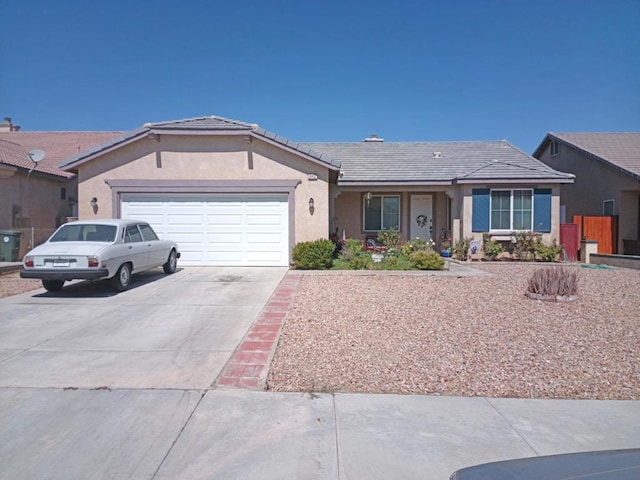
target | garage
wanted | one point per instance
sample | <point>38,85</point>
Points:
<point>218,230</point>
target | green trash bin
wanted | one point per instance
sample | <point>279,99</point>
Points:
<point>9,246</point>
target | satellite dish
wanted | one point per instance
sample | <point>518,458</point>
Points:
<point>36,155</point>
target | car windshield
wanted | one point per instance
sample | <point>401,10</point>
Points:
<point>86,232</point>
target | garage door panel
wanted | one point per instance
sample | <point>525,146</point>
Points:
<point>232,238</point>
<point>222,219</point>
<point>231,230</point>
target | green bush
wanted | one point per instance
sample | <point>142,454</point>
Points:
<point>491,248</point>
<point>415,245</point>
<point>461,248</point>
<point>361,262</point>
<point>391,239</point>
<point>547,253</point>
<point>423,260</point>
<point>314,255</point>
<point>392,263</point>
<point>352,248</point>
<point>524,247</point>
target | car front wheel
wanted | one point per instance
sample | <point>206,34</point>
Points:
<point>172,263</point>
<point>121,280</point>
<point>53,285</point>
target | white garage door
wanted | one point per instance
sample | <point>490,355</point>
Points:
<point>232,230</point>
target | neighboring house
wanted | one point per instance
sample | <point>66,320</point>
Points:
<point>36,198</point>
<point>231,193</point>
<point>607,170</point>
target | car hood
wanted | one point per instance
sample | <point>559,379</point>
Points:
<point>68,248</point>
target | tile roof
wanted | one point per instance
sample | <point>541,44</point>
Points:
<point>199,125</point>
<point>621,150</point>
<point>435,162</point>
<point>56,145</point>
<point>202,123</point>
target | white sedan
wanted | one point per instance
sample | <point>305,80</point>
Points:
<point>99,249</point>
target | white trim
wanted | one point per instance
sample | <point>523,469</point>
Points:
<point>364,207</point>
<point>511,192</point>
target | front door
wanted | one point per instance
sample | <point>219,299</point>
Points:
<point>421,217</point>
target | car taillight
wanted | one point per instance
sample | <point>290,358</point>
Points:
<point>28,262</point>
<point>93,261</point>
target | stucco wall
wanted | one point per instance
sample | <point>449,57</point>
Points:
<point>182,157</point>
<point>39,199</point>
<point>596,182</point>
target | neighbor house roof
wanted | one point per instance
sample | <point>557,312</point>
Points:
<point>56,145</point>
<point>210,125</point>
<point>435,163</point>
<point>619,150</point>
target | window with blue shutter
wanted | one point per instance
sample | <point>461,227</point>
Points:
<point>542,210</point>
<point>480,210</point>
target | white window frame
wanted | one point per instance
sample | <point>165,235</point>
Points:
<point>555,148</point>
<point>613,207</point>
<point>381,197</point>
<point>511,198</point>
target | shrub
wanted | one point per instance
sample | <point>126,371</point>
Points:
<point>423,260</point>
<point>415,245</point>
<point>352,248</point>
<point>461,248</point>
<point>391,239</point>
<point>491,248</point>
<point>547,253</point>
<point>360,262</point>
<point>392,263</point>
<point>314,255</point>
<point>558,281</point>
<point>524,247</point>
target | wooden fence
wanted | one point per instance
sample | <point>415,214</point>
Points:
<point>603,229</point>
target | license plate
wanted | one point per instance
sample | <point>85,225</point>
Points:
<point>61,263</point>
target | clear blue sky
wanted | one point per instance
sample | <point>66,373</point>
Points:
<point>326,70</point>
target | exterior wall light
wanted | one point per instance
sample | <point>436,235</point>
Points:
<point>368,198</point>
<point>312,205</point>
<point>94,202</point>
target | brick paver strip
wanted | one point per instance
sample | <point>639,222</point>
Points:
<point>247,367</point>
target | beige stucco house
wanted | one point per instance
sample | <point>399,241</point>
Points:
<point>607,171</point>
<point>231,193</point>
<point>37,196</point>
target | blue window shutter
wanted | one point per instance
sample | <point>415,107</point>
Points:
<point>542,210</point>
<point>480,213</point>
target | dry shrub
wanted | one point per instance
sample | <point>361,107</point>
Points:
<point>560,281</point>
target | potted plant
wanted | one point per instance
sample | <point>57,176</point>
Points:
<point>446,241</point>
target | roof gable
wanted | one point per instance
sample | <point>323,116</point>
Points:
<point>211,125</point>
<point>619,150</point>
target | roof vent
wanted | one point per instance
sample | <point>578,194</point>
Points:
<point>437,154</point>
<point>373,138</point>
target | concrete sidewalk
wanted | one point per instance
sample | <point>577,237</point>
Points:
<point>231,434</point>
<point>99,385</point>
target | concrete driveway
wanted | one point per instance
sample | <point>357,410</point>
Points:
<point>174,331</point>
<point>95,385</point>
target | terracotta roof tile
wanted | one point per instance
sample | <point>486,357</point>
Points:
<point>56,145</point>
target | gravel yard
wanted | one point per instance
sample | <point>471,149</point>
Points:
<point>12,284</point>
<point>465,336</point>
